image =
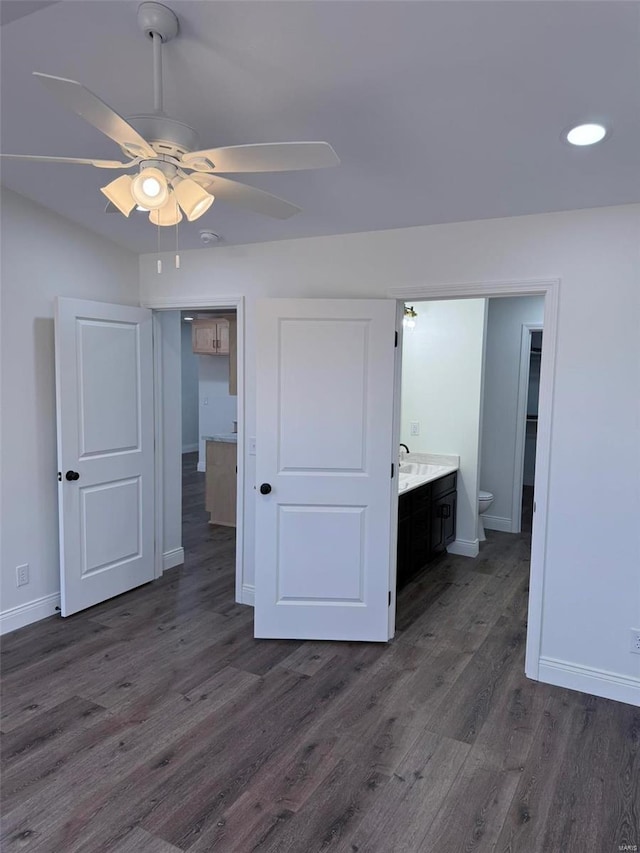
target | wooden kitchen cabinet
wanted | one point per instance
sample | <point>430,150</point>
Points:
<point>220,482</point>
<point>210,336</point>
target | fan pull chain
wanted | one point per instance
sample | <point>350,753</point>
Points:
<point>177,247</point>
<point>159,259</point>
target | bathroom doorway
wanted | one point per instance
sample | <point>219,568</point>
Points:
<point>507,296</point>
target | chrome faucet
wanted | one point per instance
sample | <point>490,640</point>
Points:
<point>405,447</point>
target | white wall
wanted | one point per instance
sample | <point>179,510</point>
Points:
<point>190,402</point>
<point>500,406</point>
<point>592,585</point>
<point>43,256</point>
<point>441,390</point>
<point>217,408</point>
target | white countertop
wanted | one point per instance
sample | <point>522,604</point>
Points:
<point>229,437</point>
<point>416,469</point>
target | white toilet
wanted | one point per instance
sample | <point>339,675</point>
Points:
<point>485,499</point>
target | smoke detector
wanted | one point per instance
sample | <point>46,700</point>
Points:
<point>209,238</point>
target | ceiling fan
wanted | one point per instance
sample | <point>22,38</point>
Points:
<point>163,151</point>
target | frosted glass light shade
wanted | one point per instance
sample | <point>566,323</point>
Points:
<point>150,189</point>
<point>168,215</point>
<point>192,198</point>
<point>119,193</point>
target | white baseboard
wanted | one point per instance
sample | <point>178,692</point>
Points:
<point>32,611</point>
<point>497,522</point>
<point>172,558</point>
<point>190,448</point>
<point>464,547</point>
<point>598,682</point>
<point>248,594</point>
<point>201,467</point>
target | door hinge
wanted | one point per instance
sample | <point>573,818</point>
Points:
<point>59,476</point>
<point>389,598</point>
<point>534,506</point>
<point>392,470</point>
<point>396,343</point>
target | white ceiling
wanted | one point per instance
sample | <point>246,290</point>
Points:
<point>440,111</point>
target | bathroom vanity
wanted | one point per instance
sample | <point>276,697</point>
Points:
<point>426,514</point>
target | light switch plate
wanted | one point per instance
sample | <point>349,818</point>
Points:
<point>252,446</point>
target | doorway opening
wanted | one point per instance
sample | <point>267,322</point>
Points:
<point>199,385</point>
<point>527,419</point>
<point>469,399</point>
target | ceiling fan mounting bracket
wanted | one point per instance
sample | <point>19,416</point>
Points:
<point>158,19</point>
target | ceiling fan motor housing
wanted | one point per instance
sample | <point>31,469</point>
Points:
<point>165,135</point>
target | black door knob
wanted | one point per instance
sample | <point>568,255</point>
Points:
<point>72,475</point>
<point>265,488</point>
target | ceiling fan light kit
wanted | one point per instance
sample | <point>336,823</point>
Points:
<point>119,193</point>
<point>161,149</point>
<point>192,198</point>
<point>169,214</point>
<point>150,188</point>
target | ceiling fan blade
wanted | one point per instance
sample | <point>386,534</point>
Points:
<point>257,200</point>
<point>89,106</point>
<point>101,164</point>
<point>268,157</point>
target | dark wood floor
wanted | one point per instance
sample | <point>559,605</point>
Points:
<point>156,723</point>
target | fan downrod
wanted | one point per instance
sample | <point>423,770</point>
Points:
<point>158,19</point>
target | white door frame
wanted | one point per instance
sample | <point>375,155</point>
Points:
<point>550,289</point>
<point>232,303</point>
<point>521,423</point>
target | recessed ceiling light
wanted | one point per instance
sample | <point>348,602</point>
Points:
<point>586,134</point>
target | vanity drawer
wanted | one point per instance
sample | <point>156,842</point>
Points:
<point>444,485</point>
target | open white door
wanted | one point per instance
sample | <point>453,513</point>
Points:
<point>325,527</point>
<point>104,396</point>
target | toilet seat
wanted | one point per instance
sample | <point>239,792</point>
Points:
<point>484,496</point>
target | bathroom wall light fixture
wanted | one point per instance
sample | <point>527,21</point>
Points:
<point>409,319</point>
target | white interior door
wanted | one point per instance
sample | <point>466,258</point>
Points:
<point>326,529</point>
<point>104,396</point>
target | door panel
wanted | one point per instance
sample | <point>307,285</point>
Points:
<point>104,394</point>
<point>109,423</point>
<point>325,538</point>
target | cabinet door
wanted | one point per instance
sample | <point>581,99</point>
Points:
<point>222,337</point>
<point>221,482</point>
<point>204,337</point>
<point>443,525</point>
<point>420,541</point>
<point>403,570</point>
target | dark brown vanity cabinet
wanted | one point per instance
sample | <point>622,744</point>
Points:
<point>426,524</point>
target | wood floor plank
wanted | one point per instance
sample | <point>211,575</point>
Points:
<point>474,811</point>
<point>140,841</point>
<point>476,693</point>
<point>558,805</point>
<point>412,798</point>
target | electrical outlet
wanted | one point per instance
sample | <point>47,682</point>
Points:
<point>252,446</point>
<point>414,428</point>
<point>635,641</point>
<point>22,575</point>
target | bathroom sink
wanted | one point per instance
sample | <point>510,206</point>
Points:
<point>414,474</point>
<point>423,469</point>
